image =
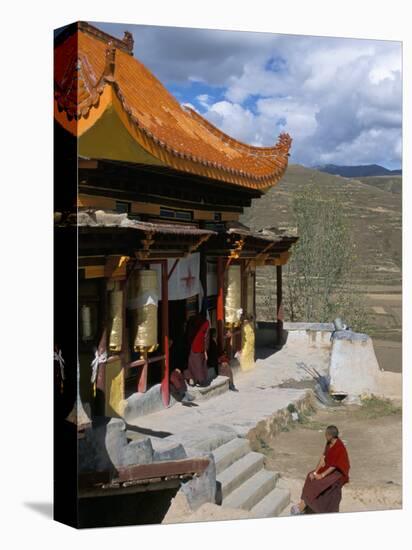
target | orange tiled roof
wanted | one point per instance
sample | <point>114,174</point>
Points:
<point>88,61</point>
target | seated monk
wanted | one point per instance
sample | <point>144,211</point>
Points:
<point>322,491</point>
<point>178,386</point>
<point>198,343</point>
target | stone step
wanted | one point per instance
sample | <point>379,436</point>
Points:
<point>272,504</point>
<point>207,439</point>
<point>251,491</point>
<point>217,386</point>
<point>227,454</point>
<point>165,449</point>
<point>231,478</point>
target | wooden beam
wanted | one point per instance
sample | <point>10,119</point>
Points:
<point>142,375</point>
<point>94,271</point>
<point>161,469</point>
<point>140,477</point>
<point>89,164</point>
<point>140,362</point>
<point>173,268</point>
<point>133,487</point>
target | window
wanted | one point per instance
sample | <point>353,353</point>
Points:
<point>184,215</point>
<point>167,213</point>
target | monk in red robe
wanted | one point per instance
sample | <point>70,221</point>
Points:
<point>322,491</point>
<point>198,340</point>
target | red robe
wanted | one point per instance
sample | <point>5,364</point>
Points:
<point>337,457</point>
<point>324,495</point>
<point>198,339</point>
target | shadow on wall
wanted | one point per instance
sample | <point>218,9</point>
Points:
<point>267,339</point>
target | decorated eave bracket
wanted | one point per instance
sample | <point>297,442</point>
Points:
<point>147,242</point>
<point>235,252</point>
<point>197,245</point>
<point>149,239</point>
<point>262,256</point>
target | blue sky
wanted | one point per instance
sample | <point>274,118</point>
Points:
<point>340,99</point>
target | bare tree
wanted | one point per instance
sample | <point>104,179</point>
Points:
<point>319,278</point>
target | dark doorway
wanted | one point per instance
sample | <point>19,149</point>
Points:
<point>177,334</point>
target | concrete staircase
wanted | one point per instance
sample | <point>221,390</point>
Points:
<point>243,482</point>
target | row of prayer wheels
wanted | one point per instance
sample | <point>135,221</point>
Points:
<point>142,301</point>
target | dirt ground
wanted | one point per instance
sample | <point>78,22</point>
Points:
<point>373,435</point>
<point>388,354</point>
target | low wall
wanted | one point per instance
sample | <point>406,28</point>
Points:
<point>310,334</point>
<point>315,336</point>
<point>354,368</point>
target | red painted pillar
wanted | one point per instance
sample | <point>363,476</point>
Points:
<point>220,307</point>
<point>279,304</point>
<point>142,375</point>
<point>165,334</point>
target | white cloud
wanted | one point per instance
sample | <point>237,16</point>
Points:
<point>365,148</point>
<point>204,100</point>
<point>233,119</point>
<point>340,102</point>
<point>340,99</point>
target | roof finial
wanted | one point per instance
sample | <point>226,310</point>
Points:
<point>129,41</point>
<point>110,59</point>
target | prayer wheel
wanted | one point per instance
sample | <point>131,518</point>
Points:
<point>116,315</point>
<point>145,297</point>
<point>247,356</point>
<point>233,301</point>
<point>86,320</point>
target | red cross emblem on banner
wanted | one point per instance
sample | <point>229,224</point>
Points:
<point>189,279</point>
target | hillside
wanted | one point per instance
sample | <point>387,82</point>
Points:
<point>392,184</point>
<point>375,218</point>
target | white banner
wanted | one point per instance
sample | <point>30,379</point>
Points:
<point>184,281</point>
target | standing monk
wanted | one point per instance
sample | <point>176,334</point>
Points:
<point>198,340</point>
<point>322,491</point>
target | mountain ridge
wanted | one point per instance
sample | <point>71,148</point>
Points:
<point>359,170</point>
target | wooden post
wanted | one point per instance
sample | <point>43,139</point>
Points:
<point>220,308</point>
<point>243,285</point>
<point>125,343</point>
<point>243,300</point>
<point>165,335</point>
<point>203,274</point>
<point>100,398</point>
<point>142,375</point>
<point>279,304</point>
<point>254,298</point>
